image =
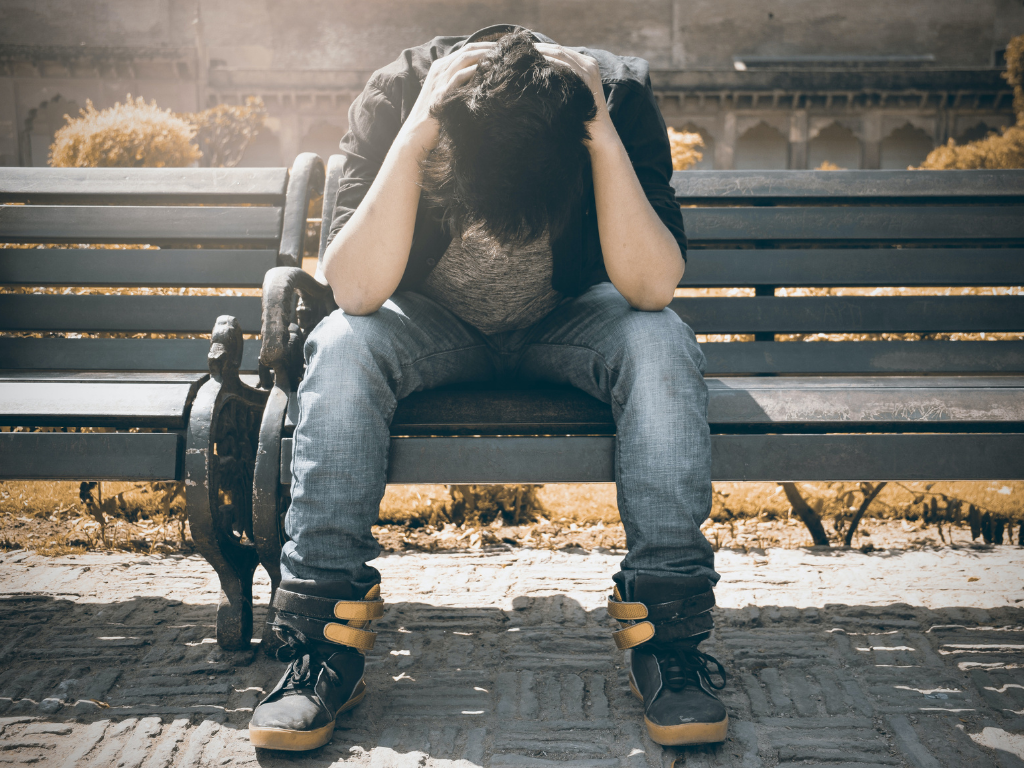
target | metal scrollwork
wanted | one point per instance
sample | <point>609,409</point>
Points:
<point>236,438</point>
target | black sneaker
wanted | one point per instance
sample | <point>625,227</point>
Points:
<point>322,681</point>
<point>674,682</point>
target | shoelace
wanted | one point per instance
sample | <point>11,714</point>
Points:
<point>294,650</point>
<point>682,665</point>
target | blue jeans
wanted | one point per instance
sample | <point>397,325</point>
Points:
<point>647,365</point>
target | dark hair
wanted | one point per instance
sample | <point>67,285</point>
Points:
<point>511,152</point>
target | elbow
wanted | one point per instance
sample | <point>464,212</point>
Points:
<point>355,305</point>
<point>655,297</point>
<point>652,303</point>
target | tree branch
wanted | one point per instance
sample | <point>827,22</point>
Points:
<point>869,496</point>
<point>804,512</point>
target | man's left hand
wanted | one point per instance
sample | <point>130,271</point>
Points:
<point>584,66</point>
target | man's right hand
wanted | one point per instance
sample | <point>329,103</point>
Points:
<point>447,73</point>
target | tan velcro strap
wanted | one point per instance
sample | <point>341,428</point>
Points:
<point>626,611</point>
<point>372,595</point>
<point>633,635</point>
<point>350,636</point>
<point>359,610</point>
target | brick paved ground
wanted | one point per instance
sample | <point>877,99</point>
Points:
<point>504,659</point>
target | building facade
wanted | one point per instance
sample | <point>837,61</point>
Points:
<point>783,84</point>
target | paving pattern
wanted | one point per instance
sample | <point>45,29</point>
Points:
<point>504,659</point>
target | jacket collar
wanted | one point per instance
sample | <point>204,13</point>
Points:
<point>504,29</point>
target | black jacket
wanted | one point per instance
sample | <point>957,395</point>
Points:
<point>377,114</point>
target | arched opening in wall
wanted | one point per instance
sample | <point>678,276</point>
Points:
<point>975,133</point>
<point>834,144</point>
<point>40,126</point>
<point>762,148</point>
<point>904,147</point>
<point>707,161</point>
<point>322,138</point>
<point>264,151</point>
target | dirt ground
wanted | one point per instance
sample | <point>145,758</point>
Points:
<point>50,519</point>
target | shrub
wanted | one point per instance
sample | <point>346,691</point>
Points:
<point>129,135</point>
<point>1000,150</point>
<point>684,148</point>
<point>223,132</point>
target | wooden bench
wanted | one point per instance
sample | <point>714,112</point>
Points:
<point>156,409</point>
<point>779,410</point>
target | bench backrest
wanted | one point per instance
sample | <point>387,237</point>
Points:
<point>761,231</point>
<point>215,228</point>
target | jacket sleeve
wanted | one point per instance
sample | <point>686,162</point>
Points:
<point>645,137</point>
<point>373,122</point>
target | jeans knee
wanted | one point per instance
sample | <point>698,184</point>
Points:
<point>661,341</point>
<point>343,338</point>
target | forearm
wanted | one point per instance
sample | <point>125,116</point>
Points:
<point>367,258</point>
<point>641,256</point>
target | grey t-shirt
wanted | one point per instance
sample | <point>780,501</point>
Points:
<point>492,286</point>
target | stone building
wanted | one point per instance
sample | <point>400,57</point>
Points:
<point>768,84</point>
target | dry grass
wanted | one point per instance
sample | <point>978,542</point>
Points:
<point>48,517</point>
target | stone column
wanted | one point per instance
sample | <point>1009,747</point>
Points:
<point>871,158</point>
<point>798,140</point>
<point>725,143</point>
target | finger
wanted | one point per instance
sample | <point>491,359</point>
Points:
<point>462,77</point>
<point>565,63</point>
<point>459,59</point>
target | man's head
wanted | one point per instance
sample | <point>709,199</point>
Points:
<point>511,151</point>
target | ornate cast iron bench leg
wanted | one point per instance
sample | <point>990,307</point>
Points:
<point>220,454</point>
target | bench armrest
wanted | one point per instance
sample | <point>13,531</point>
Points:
<point>293,303</point>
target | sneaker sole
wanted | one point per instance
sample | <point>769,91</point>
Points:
<point>300,741</point>
<point>684,734</point>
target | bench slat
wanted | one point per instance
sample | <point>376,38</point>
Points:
<point>854,224</point>
<point>152,314</point>
<point>92,456</point>
<point>852,314</point>
<point>862,404</point>
<point>825,314</point>
<point>734,458</point>
<point>115,354</point>
<point>132,185</point>
<point>96,404</point>
<point>725,358</point>
<point>871,267</point>
<point>206,267</point>
<point>760,187</point>
<point>260,225</point>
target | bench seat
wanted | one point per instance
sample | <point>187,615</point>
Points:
<point>893,427</point>
<point>124,401</point>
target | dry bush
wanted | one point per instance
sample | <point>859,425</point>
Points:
<point>129,135</point>
<point>684,148</point>
<point>828,165</point>
<point>223,132</point>
<point>1000,150</point>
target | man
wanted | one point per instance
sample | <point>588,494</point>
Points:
<point>505,210</point>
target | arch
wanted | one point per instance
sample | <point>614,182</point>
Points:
<point>834,144</point>
<point>264,151</point>
<point>42,123</point>
<point>976,132</point>
<point>707,162</point>
<point>904,147</point>
<point>761,148</point>
<point>322,138</point>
